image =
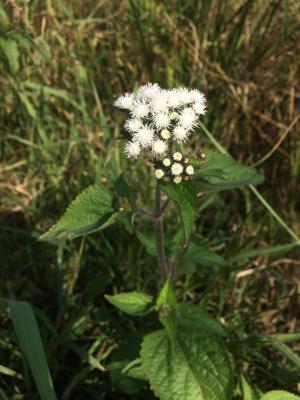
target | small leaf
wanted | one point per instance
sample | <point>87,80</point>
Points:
<point>279,395</point>
<point>10,52</point>
<point>200,254</point>
<point>196,368</point>
<point>91,211</point>
<point>248,392</point>
<point>122,381</point>
<point>194,317</point>
<point>184,195</point>
<point>26,104</point>
<point>28,334</point>
<point>133,303</point>
<point>219,172</point>
<point>166,306</point>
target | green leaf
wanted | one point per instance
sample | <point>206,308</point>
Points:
<point>263,251</point>
<point>248,392</point>
<point>92,210</point>
<point>193,317</point>
<point>196,368</point>
<point>4,21</point>
<point>148,241</point>
<point>184,195</point>
<point>200,254</point>
<point>26,103</point>
<point>166,306</point>
<point>219,172</point>
<point>279,395</point>
<point>133,303</point>
<point>121,380</point>
<point>28,335</point>
<point>10,52</point>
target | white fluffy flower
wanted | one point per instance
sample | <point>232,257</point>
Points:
<point>174,99</point>
<point>180,133</point>
<point>190,170</point>
<point>166,162</point>
<point>184,96</point>
<point>177,169</point>
<point>160,102</point>
<point>177,179</point>
<point>159,147</point>
<point>144,136</point>
<point>125,102</point>
<point>197,96</point>
<point>132,149</point>
<point>133,124</point>
<point>177,156</point>
<point>161,120</point>
<point>187,118</point>
<point>159,173</point>
<point>150,90</point>
<point>199,108</point>
<point>140,109</point>
<point>165,134</point>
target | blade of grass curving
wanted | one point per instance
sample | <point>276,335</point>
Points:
<point>253,189</point>
<point>29,338</point>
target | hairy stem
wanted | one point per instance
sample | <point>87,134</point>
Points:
<point>159,232</point>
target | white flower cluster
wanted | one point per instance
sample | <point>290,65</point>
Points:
<point>159,116</point>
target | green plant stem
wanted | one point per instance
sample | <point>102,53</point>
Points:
<point>159,233</point>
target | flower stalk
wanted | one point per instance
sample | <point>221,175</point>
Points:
<point>159,233</point>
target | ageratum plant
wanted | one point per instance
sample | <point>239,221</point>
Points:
<point>189,355</point>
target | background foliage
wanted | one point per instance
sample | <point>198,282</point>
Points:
<point>62,64</point>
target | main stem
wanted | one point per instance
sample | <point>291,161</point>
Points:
<point>159,231</point>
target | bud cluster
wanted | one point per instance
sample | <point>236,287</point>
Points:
<point>175,168</point>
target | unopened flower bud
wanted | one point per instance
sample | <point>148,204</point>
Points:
<point>166,162</point>
<point>165,134</point>
<point>159,173</point>
<point>177,179</point>
<point>190,170</point>
<point>177,156</point>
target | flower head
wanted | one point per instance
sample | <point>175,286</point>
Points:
<point>161,120</point>
<point>144,136</point>
<point>133,124</point>
<point>159,147</point>
<point>159,173</point>
<point>165,134</point>
<point>189,170</point>
<point>125,102</point>
<point>166,162</point>
<point>177,179</point>
<point>177,169</point>
<point>181,134</point>
<point>187,118</point>
<point>140,109</point>
<point>177,156</point>
<point>132,149</point>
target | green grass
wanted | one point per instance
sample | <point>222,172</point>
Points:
<point>62,65</point>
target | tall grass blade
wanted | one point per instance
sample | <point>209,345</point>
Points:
<point>29,338</point>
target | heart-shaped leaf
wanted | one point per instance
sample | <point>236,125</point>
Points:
<point>91,211</point>
<point>196,367</point>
